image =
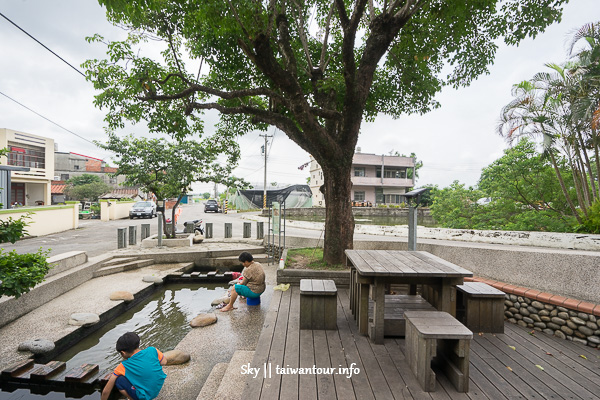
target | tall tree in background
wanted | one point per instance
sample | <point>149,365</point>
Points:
<point>314,69</point>
<point>168,168</point>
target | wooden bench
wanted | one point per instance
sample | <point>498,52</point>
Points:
<point>439,337</point>
<point>318,304</point>
<point>395,307</point>
<point>480,307</point>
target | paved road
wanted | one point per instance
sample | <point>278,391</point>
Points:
<point>97,237</point>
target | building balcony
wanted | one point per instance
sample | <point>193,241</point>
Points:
<point>377,182</point>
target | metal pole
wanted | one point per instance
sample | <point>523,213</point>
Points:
<point>160,228</point>
<point>412,228</point>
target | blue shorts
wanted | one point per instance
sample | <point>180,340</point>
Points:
<point>243,290</point>
<point>123,383</point>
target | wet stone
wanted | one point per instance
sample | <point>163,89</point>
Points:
<point>586,331</point>
<point>578,320</point>
<point>558,321</point>
<point>559,334</point>
<point>563,315</point>
<point>37,346</point>
<point>220,300</point>
<point>583,316</point>
<point>537,305</point>
<point>566,330</point>
<point>152,279</point>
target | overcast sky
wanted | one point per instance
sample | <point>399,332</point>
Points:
<point>454,142</point>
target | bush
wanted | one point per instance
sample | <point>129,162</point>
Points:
<point>19,273</point>
<point>591,223</point>
<point>12,229</point>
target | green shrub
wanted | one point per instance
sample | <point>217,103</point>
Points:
<point>19,273</point>
<point>12,229</point>
<point>591,223</point>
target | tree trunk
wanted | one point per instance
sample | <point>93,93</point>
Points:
<point>564,188</point>
<point>339,221</point>
<point>588,166</point>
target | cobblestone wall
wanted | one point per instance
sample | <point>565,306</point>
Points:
<point>554,320</point>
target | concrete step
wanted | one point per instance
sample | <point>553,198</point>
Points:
<point>113,269</point>
<point>117,260</point>
<point>233,379</point>
<point>230,261</point>
<point>213,382</point>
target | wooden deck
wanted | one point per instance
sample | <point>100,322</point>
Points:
<point>513,365</point>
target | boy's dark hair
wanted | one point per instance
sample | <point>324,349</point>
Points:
<point>245,256</point>
<point>128,342</point>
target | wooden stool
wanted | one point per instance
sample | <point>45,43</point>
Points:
<point>318,304</point>
<point>482,307</point>
<point>437,336</point>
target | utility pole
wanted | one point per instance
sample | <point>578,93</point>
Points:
<point>265,183</point>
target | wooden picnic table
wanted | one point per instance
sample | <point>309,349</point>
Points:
<point>380,268</point>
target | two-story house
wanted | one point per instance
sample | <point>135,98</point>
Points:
<point>68,165</point>
<point>378,179</point>
<point>30,184</point>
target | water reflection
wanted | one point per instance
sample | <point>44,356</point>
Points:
<point>161,322</point>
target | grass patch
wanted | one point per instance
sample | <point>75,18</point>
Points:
<point>310,258</point>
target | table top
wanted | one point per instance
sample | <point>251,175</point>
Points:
<point>403,263</point>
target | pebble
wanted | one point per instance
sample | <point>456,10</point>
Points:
<point>546,319</point>
<point>566,330</point>
<point>121,295</point>
<point>592,325</point>
<point>571,324</point>
<point>524,312</point>
<point>522,323</point>
<point>594,339</point>
<point>563,315</point>
<point>582,341</point>
<point>544,312</point>
<point>583,316</point>
<point>528,320</point>
<point>537,305</point>
<point>578,321</point>
<point>84,319</point>
<point>176,357</point>
<point>203,320</point>
<point>586,331</point>
<point>558,321</point>
<point>539,325</point>
<point>562,309</point>
<point>37,346</point>
<point>535,317</point>
<point>559,334</point>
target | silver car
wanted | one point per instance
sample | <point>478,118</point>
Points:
<point>143,209</point>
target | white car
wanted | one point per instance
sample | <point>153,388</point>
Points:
<point>143,209</point>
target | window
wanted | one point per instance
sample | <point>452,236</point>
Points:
<point>393,199</point>
<point>359,171</point>
<point>22,155</point>
<point>394,173</point>
<point>75,167</point>
<point>64,177</point>
<point>378,172</point>
<point>359,196</point>
<point>113,181</point>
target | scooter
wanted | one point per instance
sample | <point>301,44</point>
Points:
<point>197,223</point>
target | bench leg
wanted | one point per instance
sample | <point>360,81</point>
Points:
<point>363,309</point>
<point>419,353</point>
<point>378,312</point>
<point>454,355</point>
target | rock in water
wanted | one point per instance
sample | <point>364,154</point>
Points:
<point>84,319</point>
<point>37,346</point>
<point>121,295</point>
<point>203,320</point>
<point>176,357</point>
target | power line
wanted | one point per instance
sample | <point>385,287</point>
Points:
<point>42,44</point>
<point>47,119</point>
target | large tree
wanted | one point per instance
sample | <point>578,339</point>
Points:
<point>315,69</point>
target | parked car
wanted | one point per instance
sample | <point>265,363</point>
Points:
<point>211,205</point>
<point>143,209</point>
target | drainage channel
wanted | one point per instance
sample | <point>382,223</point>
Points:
<point>161,320</point>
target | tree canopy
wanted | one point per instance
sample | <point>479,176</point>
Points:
<point>313,69</point>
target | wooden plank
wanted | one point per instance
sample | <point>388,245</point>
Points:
<point>343,383</point>
<point>325,382</point>
<point>329,287</point>
<point>359,263</point>
<point>500,384</point>
<point>374,262</point>
<point>398,264</point>
<point>393,377</point>
<point>330,312</point>
<point>397,352</point>
<point>104,376</point>
<point>272,382</point>
<point>18,368</point>
<point>318,312</point>
<point>578,386</point>
<point>253,387</point>
<point>291,358</point>
<point>82,373</point>
<point>480,289</point>
<point>307,382</point>
<point>305,286</point>
<point>452,269</point>
<point>46,371</point>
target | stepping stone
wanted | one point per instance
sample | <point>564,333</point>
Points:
<point>37,346</point>
<point>203,320</point>
<point>121,295</point>
<point>176,357</point>
<point>152,279</point>
<point>84,319</point>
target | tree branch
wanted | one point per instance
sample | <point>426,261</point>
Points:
<point>322,64</point>
<point>285,45</point>
<point>343,15</point>
<point>300,18</point>
<point>237,18</point>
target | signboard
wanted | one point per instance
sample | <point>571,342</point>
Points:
<point>276,217</point>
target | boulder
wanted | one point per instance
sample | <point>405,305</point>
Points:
<point>37,346</point>
<point>152,279</point>
<point>84,319</point>
<point>220,300</point>
<point>203,320</point>
<point>198,238</point>
<point>121,295</point>
<point>176,357</point>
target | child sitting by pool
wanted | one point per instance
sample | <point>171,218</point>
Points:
<point>140,376</point>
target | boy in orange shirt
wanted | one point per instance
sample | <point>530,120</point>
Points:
<point>140,375</point>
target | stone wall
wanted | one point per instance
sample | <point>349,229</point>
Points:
<point>554,320</point>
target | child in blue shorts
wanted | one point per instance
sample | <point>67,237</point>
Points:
<point>140,376</point>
